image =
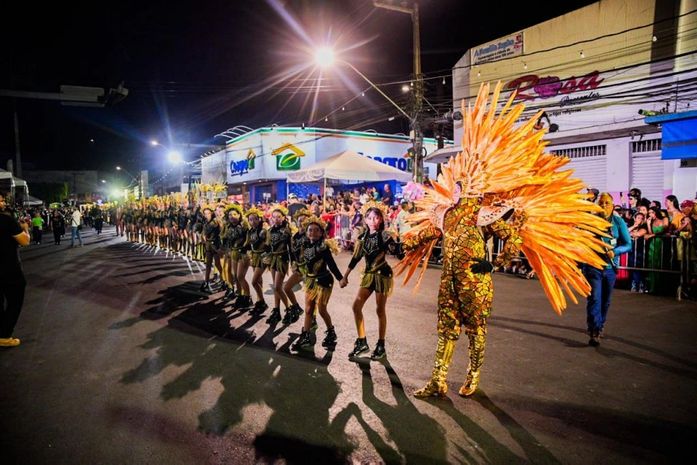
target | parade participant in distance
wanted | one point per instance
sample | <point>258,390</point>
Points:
<point>211,239</point>
<point>257,247</point>
<point>278,239</point>
<point>297,264</point>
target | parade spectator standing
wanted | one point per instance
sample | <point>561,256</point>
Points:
<point>387,196</point>
<point>294,205</point>
<point>12,282</point>
<point>603,281</point>
<point>37,224</point>
<point>58,227</point>
<point>75,226</point>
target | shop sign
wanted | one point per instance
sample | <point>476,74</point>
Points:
<point>241,167</point>
<point>507,47</point>
<point>288,157</point>
<point>532,86</point>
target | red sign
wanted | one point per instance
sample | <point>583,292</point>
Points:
<point>532,86</point>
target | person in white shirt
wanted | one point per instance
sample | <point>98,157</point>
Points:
<point>75,222</point>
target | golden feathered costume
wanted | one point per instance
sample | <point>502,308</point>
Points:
<point>502,184</point>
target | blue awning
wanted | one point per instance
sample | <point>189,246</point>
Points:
<point>679,138</point>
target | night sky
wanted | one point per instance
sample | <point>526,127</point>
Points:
<point>194,69</point>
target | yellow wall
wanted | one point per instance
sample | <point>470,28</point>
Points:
<point>604,54</point>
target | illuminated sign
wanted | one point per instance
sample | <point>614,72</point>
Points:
<point>288,157</point>
<point>240,167</point>
<point>532,86</point>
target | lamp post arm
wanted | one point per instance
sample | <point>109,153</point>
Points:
<point>377,88</point>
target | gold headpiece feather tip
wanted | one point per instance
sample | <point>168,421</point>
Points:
<point>254,211</point>
<point>375,205</point>
<point>277,207</point>
<point>234,206</point>
<point>312,219</point>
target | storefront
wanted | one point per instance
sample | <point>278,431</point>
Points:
<point>595,86</point>
<point>255,165</point>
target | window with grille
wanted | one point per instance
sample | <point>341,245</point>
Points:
<point>651,145</point>
<point>582,152</point>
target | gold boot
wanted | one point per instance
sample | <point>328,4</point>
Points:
<point>437,387</point>
<point>477,341</point>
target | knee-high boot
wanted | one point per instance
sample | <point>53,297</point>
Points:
<point>477,340</point>
<point>437,386</point>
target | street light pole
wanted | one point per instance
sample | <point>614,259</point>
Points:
<point>416,135</point>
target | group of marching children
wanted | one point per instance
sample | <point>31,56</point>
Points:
<point>297,252</point>
<point>231,240</point>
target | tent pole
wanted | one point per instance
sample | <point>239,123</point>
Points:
<point>324,196</point>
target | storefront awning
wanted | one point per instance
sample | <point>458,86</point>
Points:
<point>679,138</point>
<point>442,155</point>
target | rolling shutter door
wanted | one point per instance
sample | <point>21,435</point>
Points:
<point>647,175</point>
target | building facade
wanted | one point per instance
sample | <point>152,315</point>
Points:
<point>597,72</point>
<point>255,165</point>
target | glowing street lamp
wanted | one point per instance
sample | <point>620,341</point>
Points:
<point>175,157</point>
<point>324,57</point>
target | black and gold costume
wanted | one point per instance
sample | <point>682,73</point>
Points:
<point>278,241</point>
<point>374,247</point>
<point>320,266</point>
<point>257,245</point>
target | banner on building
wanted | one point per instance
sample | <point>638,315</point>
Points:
<point>506,47</point>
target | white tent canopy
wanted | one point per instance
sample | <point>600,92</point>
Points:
<point>349,166</point>
<point>32,201</point>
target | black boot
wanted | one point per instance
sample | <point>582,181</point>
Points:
<point>329,341</point>
<point>303,342</point>
<point>275,316</point>
<point>206,287</point>
<point>288,317</point>
<point>359,348</point>
<point>260,306</point>
<point>379,351</point>
<point>297,312</point>
<point>243,301</point>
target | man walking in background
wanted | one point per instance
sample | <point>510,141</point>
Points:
<point>75,225</point>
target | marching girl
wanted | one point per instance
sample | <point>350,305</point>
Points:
<point>278,256</point>
<point>297,264</point>
<point>227,274</point>
<point>257,247</point>
<point>239,261</point>
<point>319,267</point>
<point>373,244</point>
<point>211,240</point>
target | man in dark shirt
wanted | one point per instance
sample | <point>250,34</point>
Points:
<point>12,283</point>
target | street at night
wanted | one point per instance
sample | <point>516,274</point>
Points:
<point>123,360</point>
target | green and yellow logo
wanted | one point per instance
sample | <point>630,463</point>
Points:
<point>288,157</point>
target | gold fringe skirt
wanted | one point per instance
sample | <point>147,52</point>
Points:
<point>236,255</point>
<point>256,260</point>
<point>375,281</point>
<point>316,293</point>
<point>277,262</point>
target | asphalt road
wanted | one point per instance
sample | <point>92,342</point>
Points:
<point>123,361</point>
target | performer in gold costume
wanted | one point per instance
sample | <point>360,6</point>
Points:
<point>502,184</point>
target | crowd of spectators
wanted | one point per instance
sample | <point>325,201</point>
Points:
<point>60,220</point>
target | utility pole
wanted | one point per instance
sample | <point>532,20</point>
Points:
<point>415,133</point>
